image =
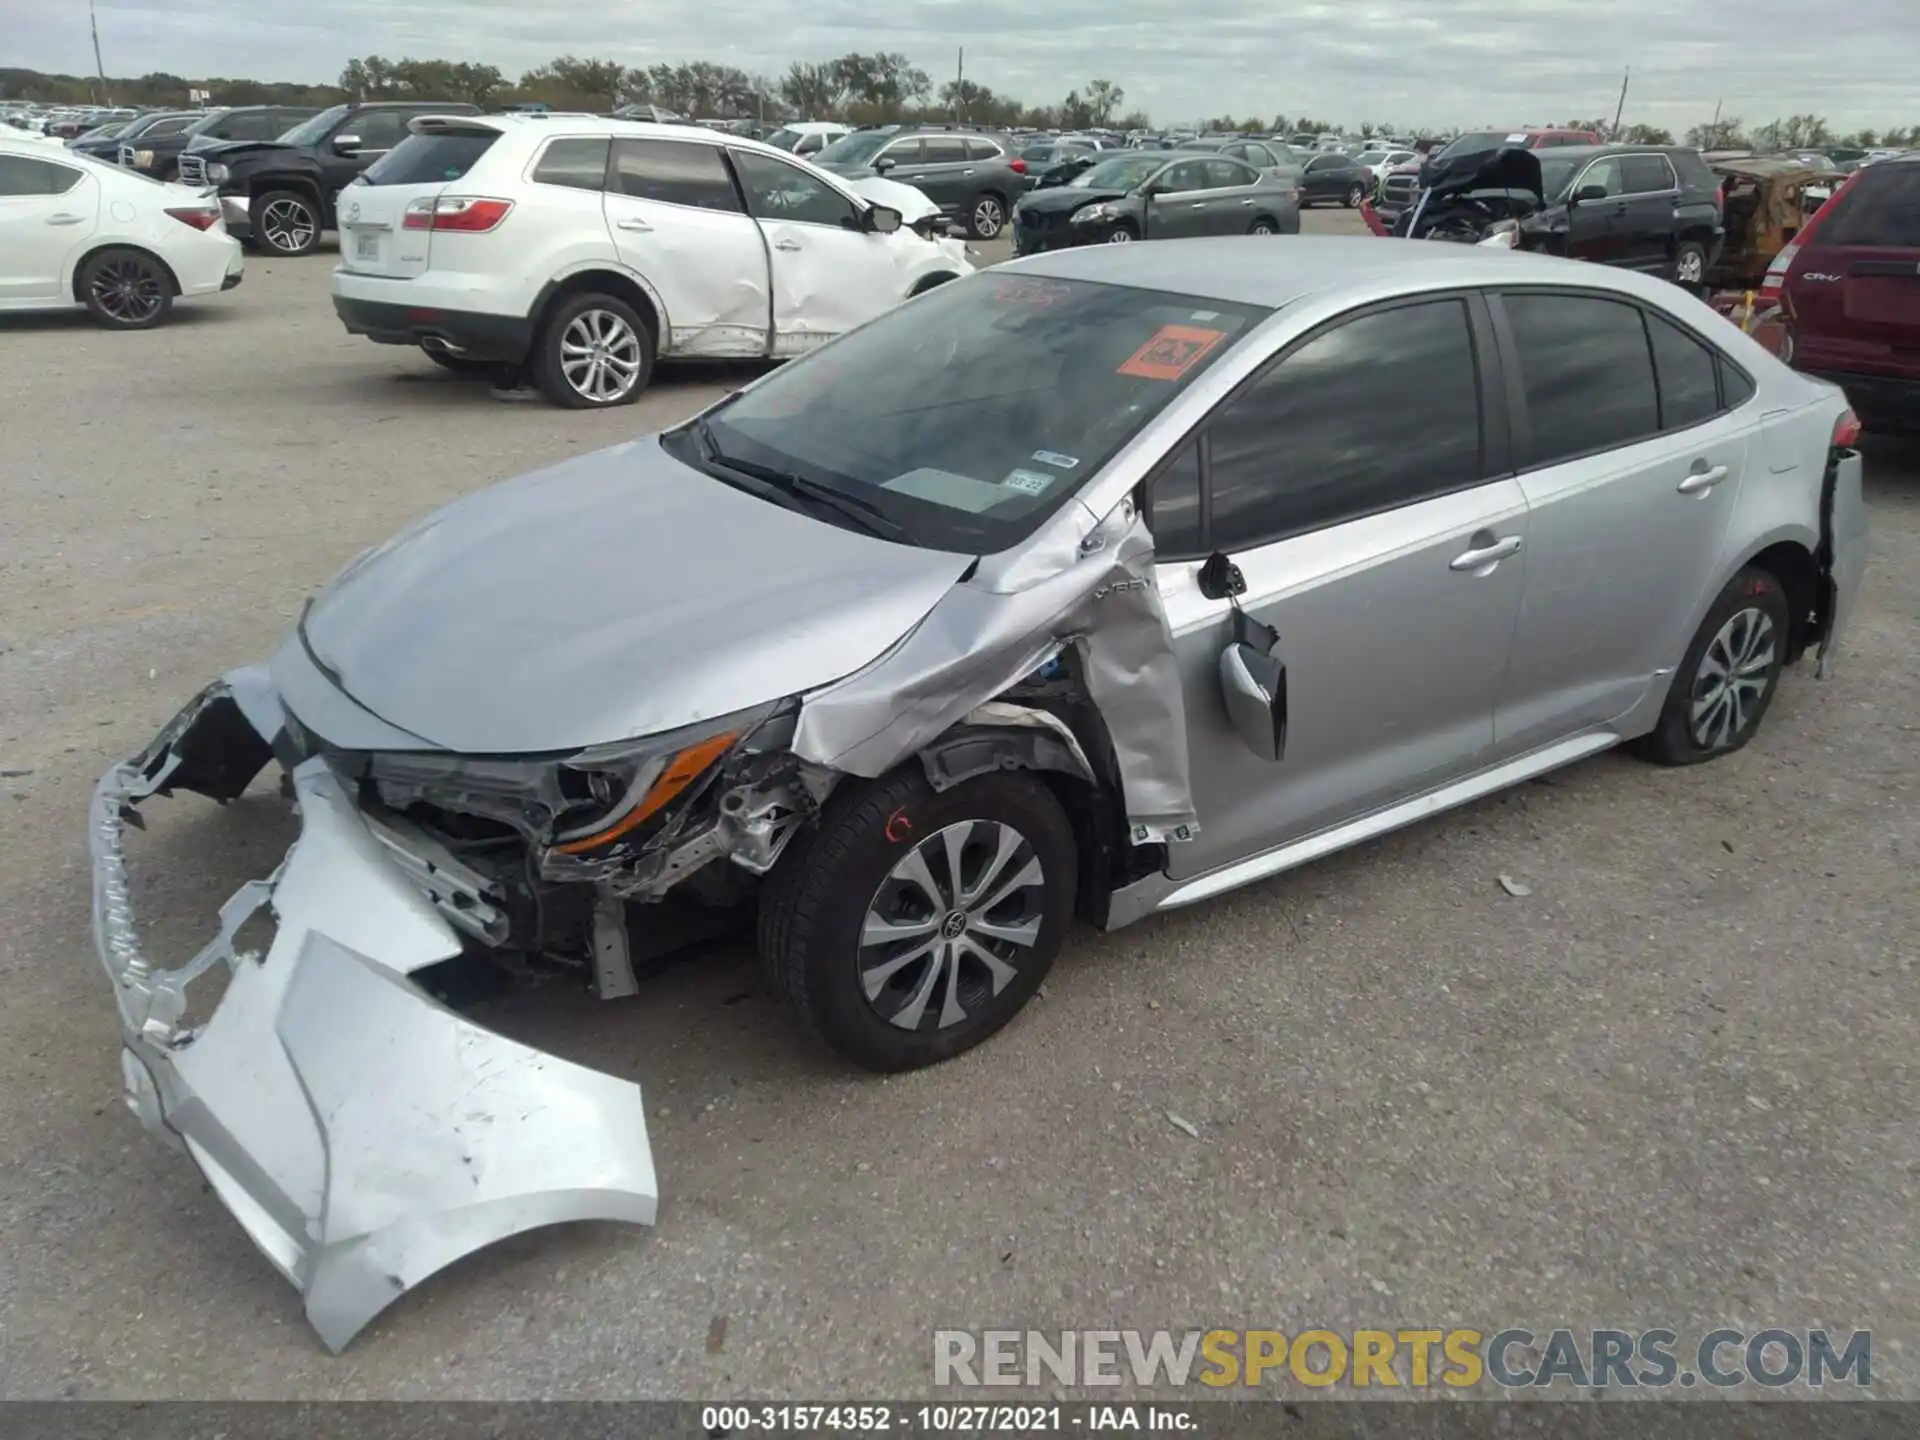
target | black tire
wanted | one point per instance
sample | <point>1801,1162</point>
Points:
<point>285,222</point>
<point>814,910</point>
<point>988,217</point>
<point>1264,225</point>
<point>550,364</point>
<point>125,289</point>
<point>1681,738</point>
<point>1355,194</point>
<point>1689,265</point>
<point>1122,234</point>
<point>933,282</point>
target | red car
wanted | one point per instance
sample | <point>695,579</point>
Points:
<point>1848,291</point>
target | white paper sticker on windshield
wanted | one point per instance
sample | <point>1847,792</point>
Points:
<point>1030,482</point>
<point>1519,139</point>
<point>1204,315</point>
<point>1057,460</point>
<point>956,492</point>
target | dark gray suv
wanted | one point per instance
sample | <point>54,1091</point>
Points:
<point>975,177</point>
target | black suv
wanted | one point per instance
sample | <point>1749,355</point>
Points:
<point>1646,207</point>
<point>279,196</point>
<point>975,177</point>
<point>159,155</point>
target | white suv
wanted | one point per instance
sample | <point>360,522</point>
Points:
<point>581,249</point>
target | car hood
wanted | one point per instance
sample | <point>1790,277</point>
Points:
<point>1508,168</point>
<point>226,151</point>
<point>1064,199</point>
<point>617,595</point>
<point>912,203</point>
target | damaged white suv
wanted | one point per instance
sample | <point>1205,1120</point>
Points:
<point>581,250</point>
<point>1093,585</point>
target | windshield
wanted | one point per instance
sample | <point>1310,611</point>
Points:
<point>1485,140</point>
<point>106,132</point>
<point>1123,172</point>
<point>1371,157</point>
<point>309,132</point>
<point>968,441</point>
<point>853,149</point>
<point>785,139</point>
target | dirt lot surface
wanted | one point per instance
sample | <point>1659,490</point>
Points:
<point>1674,1085</point>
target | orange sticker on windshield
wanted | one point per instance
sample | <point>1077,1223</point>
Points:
<point>1172,352</point>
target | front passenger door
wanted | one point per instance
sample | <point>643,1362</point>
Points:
<point>1596,227</point>
<point>1384,544</point>
<point>1178,204</point>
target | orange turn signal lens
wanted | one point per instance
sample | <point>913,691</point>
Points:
<point>685,768</point>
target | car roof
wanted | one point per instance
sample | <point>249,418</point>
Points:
<point>1250,270</point>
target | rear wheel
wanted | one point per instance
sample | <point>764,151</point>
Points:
<point>913,924</point>
<point>286,223</point>
<point>593,353</point>
<point>1690,264</point>
<point>1355,194</point>
<point>989,217</point>
<point>126,289</point>
<point>1263,226</point>
<point>1727,680</point>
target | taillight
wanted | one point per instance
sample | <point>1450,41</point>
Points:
<point>198,219</point>
<point>1720,198</point>
<point>462,213</point>
<point>1846,431</point>
<point>1017,165</point>
<point>1776,279</point>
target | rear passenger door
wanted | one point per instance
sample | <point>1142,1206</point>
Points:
<point>678,222</point>
<point>1631,443</point>
<point>1230,199</point>
<point>946,175</point>
<point>1652,194</point>
<point>1383,543</point>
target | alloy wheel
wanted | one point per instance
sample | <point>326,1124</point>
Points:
<point>988,217</point>
<point>1121,236</point>
<point>1732,679</point>
<point>1261,227</point>
<point>1355,196</point>
<point>288,225</point>
<point>129,290</point>
<point>600,356</point>
<point>1690,268</point>
<point>951,926</point>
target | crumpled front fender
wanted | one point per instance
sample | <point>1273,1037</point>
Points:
<point>364,1135</point>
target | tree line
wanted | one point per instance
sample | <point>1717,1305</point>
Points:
<point>858,88</point>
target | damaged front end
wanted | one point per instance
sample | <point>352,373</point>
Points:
<point>364,1135</point>
<point>1486,196</point>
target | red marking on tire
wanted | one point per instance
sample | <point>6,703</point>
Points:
<point>899,826</point>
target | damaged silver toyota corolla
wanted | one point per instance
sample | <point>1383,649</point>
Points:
<point>1095,585</point>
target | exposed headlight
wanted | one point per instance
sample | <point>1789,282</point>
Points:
<point>1093,212</point>
<point>218,174</point>
<point>143,159</point>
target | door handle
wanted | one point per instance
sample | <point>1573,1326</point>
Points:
<point>1199,204</point>
<point>1484,556</point>
<point>638,226</point>
<point>786,244</point>
<point>1701,481</point>
<point>64,219</point>
<point>967,171</point>
<point>1247,201</point>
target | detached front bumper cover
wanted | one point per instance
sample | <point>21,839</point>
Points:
<point>363,1135</point>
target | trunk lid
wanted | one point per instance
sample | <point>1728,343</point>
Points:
<point>373,210</point>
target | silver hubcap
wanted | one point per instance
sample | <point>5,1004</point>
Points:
<point>1122,237</point>
<point>128,290</point>
<point>951,925</point>
<point>1260,227</point>
<point>987,218</point>
<point>1732,679</point>
<point>1691,267</point>
<point>288,225</point>
<point>600,355</point>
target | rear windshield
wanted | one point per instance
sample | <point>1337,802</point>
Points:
<point>1881,207</point>
<point>431,159</point>
<point>969,441</point>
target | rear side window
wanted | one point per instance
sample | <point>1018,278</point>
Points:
<point>1587,371</point>
<point>1881,207</point>
<point>1734,384</point>
<point>978,149</point>
<point>674,172</point>
<point>1646,174</point>
<point>946,150</point>
<point>22,176</point>
<point>1224,174</point>
<point>431,159</point>
<point>1686,373</point>
<point>579,164</point>
<point>1310,444</point>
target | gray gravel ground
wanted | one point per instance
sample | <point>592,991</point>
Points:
<point>1671,1086</point>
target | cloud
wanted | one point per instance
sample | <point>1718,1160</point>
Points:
<point>1410,62</point>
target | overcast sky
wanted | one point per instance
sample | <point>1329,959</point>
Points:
<point>1409,62</point>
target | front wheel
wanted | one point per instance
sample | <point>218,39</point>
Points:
<point>286,223</point>
<point>989,217</point>
<point>1728,677</point>
<point>126,289</point>
<point>1121,235</point>
<point>593,353</point>
<point>911,924</point>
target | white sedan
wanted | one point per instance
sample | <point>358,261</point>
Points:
<point>78,234</point>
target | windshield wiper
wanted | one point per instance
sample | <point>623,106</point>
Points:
<point>863,513</point>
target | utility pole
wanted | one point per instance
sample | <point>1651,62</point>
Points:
<point>1713,134</point>
<point>960,86</point>
<point>99,68</point>
<point>1614,134</point>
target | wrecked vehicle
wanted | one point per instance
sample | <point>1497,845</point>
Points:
<point>1095,587</point>
<point>1654,208</point>
<point>1769,199</point>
